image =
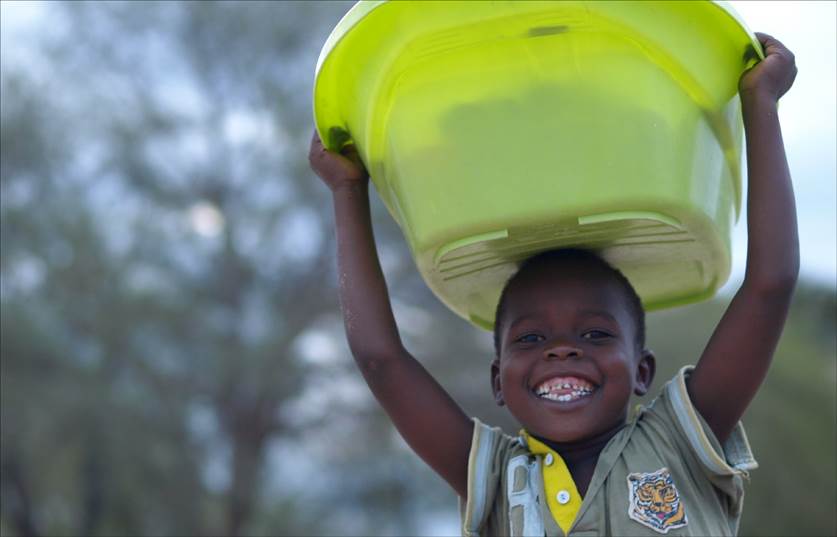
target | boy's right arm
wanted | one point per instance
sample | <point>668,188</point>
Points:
<point>426,416</point>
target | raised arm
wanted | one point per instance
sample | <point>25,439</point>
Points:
<point>428,419</point>
<point>737,357</point>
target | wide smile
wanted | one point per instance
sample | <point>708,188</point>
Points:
<point>564,389</point>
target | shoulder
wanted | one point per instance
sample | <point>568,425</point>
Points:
<point>672,415</point>
<point>491,451</point>
<point>680,437</point>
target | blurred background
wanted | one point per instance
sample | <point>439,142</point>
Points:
<point>172,359</point>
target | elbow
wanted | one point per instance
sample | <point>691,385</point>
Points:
<point>777,283</point>
<point>375,348</point>
<point>374,358</point>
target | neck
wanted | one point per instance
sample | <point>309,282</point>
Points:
<point>585,451</point>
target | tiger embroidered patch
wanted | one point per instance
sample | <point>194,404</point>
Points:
<point>655,502</point>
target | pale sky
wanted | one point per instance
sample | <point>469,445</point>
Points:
<point>809,127</point>
<point>807,113</point>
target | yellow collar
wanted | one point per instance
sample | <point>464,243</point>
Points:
<point>562,496</point>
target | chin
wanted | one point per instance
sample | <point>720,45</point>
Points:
<point>567,432</point>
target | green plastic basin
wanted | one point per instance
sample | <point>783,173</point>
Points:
<point>494,130</point>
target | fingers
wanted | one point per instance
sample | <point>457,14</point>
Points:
<point>351,153</point>
<point>318,147</point>
<point>316,143</point>
<point>775,73</point>
<point>317,150</point>
<point>318,153</point>
<point>772,45</point>
<point>768,40</point>
<point>349,150</point>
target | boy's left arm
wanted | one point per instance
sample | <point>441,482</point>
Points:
<point>738,354</point>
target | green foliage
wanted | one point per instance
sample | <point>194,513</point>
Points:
<point>790,423</point>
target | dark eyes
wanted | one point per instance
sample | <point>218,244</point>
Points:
<point>590,335</point>
<point>595,335</point>
<point>529,338</point>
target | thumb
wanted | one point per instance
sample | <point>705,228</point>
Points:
<point>350,152</point>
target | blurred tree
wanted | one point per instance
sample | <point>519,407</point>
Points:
<point>163,248</point>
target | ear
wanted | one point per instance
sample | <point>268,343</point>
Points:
<point>495,383</point>
<point>645,372</point>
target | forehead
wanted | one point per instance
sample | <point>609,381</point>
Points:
<point>565,290</point>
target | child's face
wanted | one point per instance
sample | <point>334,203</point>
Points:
<point>569,362</point>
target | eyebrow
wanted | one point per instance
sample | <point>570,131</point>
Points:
<point>587,313</point>
<point>520,319</point>
<point>600,313</point>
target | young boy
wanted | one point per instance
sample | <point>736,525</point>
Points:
<point>569,337</point>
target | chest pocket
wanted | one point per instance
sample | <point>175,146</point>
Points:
<point>524,488</point>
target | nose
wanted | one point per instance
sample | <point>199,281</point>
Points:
<point>562,352</point>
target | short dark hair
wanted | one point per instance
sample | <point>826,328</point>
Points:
<point>574,256</point>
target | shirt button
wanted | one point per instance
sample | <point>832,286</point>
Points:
<point>548,459</point>
<point>563,497</point>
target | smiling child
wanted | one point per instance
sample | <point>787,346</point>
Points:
<point>570,352</point>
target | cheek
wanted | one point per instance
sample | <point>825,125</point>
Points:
<point>620,370</point>
<point>512,376</point>
<point>620,361</point>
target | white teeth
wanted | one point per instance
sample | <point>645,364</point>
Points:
<point>571,391</point>
<point>562,385</point>
<point>565,397</point>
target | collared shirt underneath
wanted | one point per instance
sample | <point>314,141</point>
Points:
<point>562,496</point>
